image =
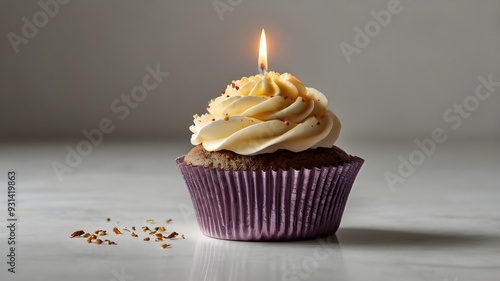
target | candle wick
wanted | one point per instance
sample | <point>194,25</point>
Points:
<point>262,69</point>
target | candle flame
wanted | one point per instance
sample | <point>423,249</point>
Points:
<point>263,52</point>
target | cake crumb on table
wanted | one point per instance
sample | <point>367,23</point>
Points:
<point>172,235</point>
<point>116,230</point>
<point>76,233</point>
<point>156,233</point>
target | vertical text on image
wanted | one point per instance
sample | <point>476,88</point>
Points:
<point>11,220</point>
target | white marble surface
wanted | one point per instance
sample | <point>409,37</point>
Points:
<point>443,223</point>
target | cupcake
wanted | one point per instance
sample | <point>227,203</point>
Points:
<point>264,166</point>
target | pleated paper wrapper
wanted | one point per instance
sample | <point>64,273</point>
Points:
<point>269,205</point>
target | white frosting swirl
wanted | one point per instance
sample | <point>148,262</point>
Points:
<point>264,113</point>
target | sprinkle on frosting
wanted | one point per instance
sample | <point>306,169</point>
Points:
<point>264,113</point>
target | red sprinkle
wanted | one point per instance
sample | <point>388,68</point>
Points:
<point>303,100</point>
<point>223,92</point>
<point>286,97</point>
<point>284,121</point>
<point>237,88</point>
<point>318,123</point>
<point>208,106</point>
<point>233,85</point>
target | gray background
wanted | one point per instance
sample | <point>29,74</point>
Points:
<point>66,77</point>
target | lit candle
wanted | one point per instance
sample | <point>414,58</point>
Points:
<point>263,53</point>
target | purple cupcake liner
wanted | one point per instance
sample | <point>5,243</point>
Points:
<point>269,205</point>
